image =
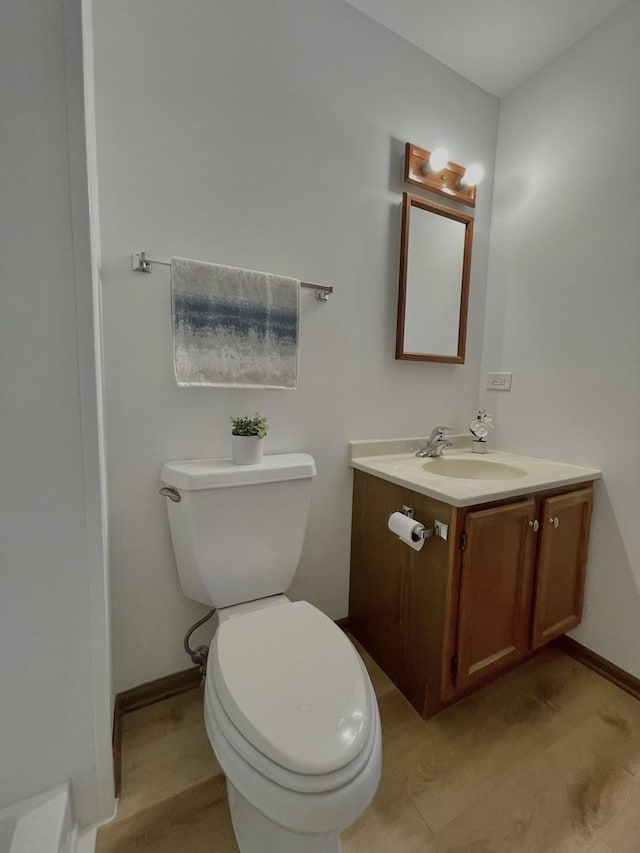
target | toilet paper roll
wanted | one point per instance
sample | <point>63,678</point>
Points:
<point>406,529</point>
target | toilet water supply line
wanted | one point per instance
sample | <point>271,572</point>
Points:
<point>199,654</point>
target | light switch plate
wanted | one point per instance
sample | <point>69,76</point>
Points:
<point>498,381</point>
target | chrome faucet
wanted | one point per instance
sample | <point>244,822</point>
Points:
<point>437,442</point>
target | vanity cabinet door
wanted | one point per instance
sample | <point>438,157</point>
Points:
<point>495,590</point>
<point>562,558</point>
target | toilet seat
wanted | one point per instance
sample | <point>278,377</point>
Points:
<point>217,719</point>
<point>292,696</point>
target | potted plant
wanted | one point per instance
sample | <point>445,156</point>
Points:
<point>247,439</point>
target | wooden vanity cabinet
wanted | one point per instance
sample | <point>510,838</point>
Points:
<point>443,620</point>
<point>397,598</point>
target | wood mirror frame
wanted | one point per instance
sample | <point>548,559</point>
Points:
<point>410,201</point>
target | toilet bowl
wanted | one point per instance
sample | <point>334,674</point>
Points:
<point>293,720</point>
<point>289,707</point>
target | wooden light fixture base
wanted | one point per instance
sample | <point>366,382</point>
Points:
<point>444,183</point>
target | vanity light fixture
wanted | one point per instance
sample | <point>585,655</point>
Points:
<point>433,171</point>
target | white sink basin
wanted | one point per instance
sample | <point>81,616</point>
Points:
<point>473,469</point>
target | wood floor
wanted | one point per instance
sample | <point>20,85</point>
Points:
<point>545,760</point>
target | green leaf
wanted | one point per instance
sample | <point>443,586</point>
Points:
<point>244,425</point>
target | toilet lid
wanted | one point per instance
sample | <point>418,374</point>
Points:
<point>294,686</point>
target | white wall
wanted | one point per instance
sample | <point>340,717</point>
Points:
<point>269,136</point>
<point>54,668</point>
<point>563,302</point>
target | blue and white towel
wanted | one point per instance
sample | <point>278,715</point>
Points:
<point>234,328</point>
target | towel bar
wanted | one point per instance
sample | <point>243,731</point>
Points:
<point>141,262</point>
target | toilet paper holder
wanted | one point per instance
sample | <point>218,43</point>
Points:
<point>425,533</point>
<point>439,529</point>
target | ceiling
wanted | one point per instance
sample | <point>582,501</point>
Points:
<point>496,44</point>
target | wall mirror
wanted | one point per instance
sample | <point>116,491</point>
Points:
<point>435,260</point>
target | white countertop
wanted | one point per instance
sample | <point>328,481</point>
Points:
<point>394,460</point>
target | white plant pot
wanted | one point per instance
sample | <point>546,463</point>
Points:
<point>478,446</point>
<point>246,449</point>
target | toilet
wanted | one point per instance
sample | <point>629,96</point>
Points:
<point>289,707</point>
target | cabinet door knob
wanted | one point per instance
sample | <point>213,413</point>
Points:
<point>555,521</point>
<point>535,524</point>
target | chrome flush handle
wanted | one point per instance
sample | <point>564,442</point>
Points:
<point>172,494</point>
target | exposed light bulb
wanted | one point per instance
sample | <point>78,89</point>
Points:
<point>472,176</point>
<point>438,159</point>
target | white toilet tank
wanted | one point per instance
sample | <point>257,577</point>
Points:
<point>238,530</point>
